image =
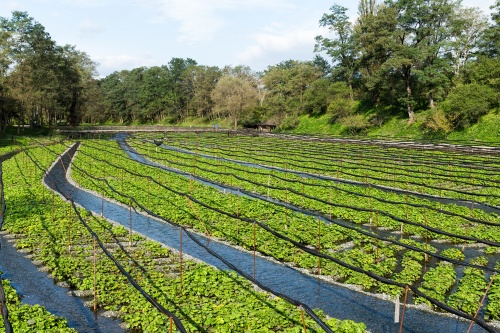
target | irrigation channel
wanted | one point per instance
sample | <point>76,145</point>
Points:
<point>386,234</point>
<point>39,288</point>
<point>444,200</point>
<point>335,300</point>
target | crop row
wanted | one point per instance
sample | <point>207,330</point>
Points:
<point>209,299</point>
<point>456,181</point>
<point>368,253</point>
<point>303,192</point>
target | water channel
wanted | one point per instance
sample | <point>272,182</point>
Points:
<point>335,300</point>
<point>444,200</point>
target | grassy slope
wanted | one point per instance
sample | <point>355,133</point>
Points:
<point>487,129</point>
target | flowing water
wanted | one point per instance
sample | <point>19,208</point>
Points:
<point>335,300</point>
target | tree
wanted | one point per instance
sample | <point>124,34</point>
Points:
<point>5,61</point>
<point>490,43</point>
<point>202,81</point>
<point>233,96</point>
<point>342,49</point>
<point>45,80</point>
<point>374,35</point>
<point>286,84</point>
<point>422,30</point>
<point>469,25</point>
<point>181,91</point>
<point>29,48</point>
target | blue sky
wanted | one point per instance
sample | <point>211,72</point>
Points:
<point>125,34</point>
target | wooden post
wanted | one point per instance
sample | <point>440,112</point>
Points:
<point>191,184</point>
<point>286,209</point>
<point>254,248</point>
<point>441,196</point>
<point>303,318</point>
<point>406,204</point>
<point>482,301</point>
<point>376,228</point>
<point>268,184</point>
<point>319,245</point>
<point>53,194</point>
<point>330,204</point>
<point>69,226</point>
<point>426,236</point>
<point>468,225</point>
<point>102,202</point>
<point>303,197</point>
<point>95,275</point>
<point>130,227</point>
<point>180,258</point>
<point>404,309</point>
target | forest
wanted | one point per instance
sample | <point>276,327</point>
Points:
<point>398,58</point>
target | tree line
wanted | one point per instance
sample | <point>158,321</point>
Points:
<point>40,82</point>
<point>398,58</point>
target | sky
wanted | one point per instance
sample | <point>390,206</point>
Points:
<point>126,34</point>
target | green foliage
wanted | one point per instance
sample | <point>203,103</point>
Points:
<point>470,290</point>
<point>354,123</point>
<point>437,123</point>
<point>289,123</point>
<point>453,253</point>
<point>467,103</point>
<point>437,282</point>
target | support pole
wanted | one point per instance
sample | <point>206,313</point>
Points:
<point>180,258</point>
<point>95,274</point>
<point>303,318</point>
<point>404,309</point>
<point>319,245</point>
<point>130,225</point>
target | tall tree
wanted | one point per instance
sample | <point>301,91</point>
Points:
<point>469,25</point>
<point>342,48</point>
<point>233,96</point>
<point>286,84</point>
<point>490,44</point>
<point>374,35</point>
<point>423,28</point>
<point>29,49</point>
<point>202,81</point>
<point>181,91</point>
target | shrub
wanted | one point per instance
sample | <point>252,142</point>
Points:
<point>288,123</point>
<point>354,123</point>
<point>341,107</point>
<point>467,103</point>
<point>436,122</point>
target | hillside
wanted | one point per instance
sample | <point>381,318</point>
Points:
<point>486,129</point>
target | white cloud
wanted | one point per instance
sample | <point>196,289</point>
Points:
<point>483,5</point>
<point>200,20</point>
<point>287,41</point>
<point>108,64</point>
<point>13,5</point>
<point>90,3</point>
<point>88,27</point>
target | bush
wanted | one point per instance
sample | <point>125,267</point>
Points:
<point>467,103</point>
<point>355,123</point>
<point>288,123</point>
<point>341,107</point>
<point>436,122</point>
